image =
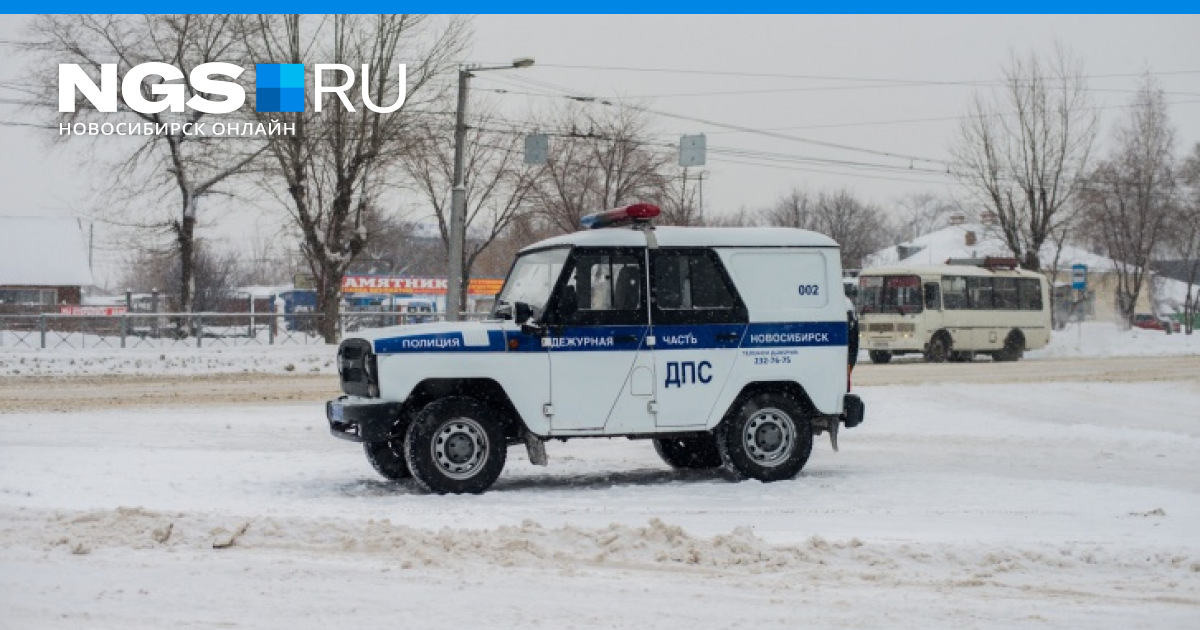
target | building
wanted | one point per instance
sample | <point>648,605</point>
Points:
<point>43,264</point>
<point>974,240</point>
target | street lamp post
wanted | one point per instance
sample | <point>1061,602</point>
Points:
<point>458,195</point>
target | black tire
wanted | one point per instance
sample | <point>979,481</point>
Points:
<point>879,356</point>
<point>1014,348</point>
<point>769,438</point>
<point>939,348</point>
<point>689,453</point>
<point>456,445</point>
<point>387,458</point>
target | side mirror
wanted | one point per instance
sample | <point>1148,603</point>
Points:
<point>522,312</point>
<point>504,311</point>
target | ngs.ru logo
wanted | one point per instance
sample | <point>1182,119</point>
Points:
<point>279,87</point>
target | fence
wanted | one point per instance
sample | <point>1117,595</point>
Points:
<point>198,330</point>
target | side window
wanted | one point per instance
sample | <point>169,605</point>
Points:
<point>954,293</point>
<point>1031,294</point>
<point>980,292</point>
<point>933,298</point>
<point>603,287</point>
<point>691,288</point>
<point>1005,294</point>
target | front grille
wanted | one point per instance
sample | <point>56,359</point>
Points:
<point>878,327</point>
<point>356,364</point>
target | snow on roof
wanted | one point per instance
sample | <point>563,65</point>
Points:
<point>43,251</point>
<point>951,242</point>
<point>691,237</point>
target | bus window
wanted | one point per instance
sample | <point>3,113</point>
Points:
<point>980,292</point>
<point>1006,294</point>
<point>933,298</point>
<point>1031,294</point>
<point>954,293</point>
<point>884,294</point>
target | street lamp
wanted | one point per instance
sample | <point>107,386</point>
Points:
<point>458,195</point>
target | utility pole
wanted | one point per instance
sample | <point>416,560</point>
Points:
<point>458,194</point>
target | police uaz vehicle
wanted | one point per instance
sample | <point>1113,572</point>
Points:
<point>725,346</point>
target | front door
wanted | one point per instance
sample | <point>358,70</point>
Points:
<point>596,331</point>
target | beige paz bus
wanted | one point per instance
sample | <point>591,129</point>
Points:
<point>953,312</point>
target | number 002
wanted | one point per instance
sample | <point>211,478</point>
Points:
<point>810,289</point>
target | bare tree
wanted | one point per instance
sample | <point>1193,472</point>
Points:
<point>859,227</point>
<point>333,166</point>
<point>153,165</point>
<point>498,182</point>
<point>1129,196</point>
<point>921,213</point>
<point>1183,236</point>
<point>1023,150</point>
<point>603,158</point>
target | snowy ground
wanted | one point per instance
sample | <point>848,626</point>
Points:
<point>1053,505</point>
<point>1094,340</point>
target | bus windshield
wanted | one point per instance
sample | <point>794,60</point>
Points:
<point>890,294</point>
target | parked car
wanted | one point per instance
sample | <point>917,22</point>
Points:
<point>1150,322</point>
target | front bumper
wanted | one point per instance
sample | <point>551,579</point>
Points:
<point>362,420</point>
<point>854,410</point>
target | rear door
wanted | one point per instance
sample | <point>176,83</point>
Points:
<point>698,324</point>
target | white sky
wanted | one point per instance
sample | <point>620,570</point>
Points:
<point>41,179</point>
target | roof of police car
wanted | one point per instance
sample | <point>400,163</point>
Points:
<point>668,236</point>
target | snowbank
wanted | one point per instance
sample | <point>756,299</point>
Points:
<point>317,359</point>
<point>1101,339</point>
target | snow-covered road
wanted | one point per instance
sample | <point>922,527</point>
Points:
<point>1069,504</point>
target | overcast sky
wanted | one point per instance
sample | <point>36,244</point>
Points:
<point>838,80</point>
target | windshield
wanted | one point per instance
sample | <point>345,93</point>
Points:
<point>889,294</point>
<point>532,279</point>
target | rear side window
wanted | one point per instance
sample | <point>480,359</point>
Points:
<point>690,287</point>
<point>1030,294</point>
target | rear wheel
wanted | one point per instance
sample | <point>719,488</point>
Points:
<point>456,445</point>
<point>769,439</point>
<point>879,356</point>
<point>689,453</point>
<point>939,349</point>
<point>1014,347</point>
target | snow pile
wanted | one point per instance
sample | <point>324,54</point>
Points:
<point>320,359</point>
<point>1101,339</point>
<point>532,545</point>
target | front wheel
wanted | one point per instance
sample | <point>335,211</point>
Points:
<point>939,349</point>
<point>879,356</point>
<point>689,453</point>
<point>456,445</point>
<point>769,439</point>
<point>387,457</point>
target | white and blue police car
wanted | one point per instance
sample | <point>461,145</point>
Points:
<point>725,346</point>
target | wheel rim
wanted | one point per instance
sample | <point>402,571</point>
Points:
<point>769,437</point>
<point>460,448</point>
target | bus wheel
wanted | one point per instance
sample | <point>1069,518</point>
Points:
<point>879,356</point>
<point>1014,347</point>
<point>939,348</point>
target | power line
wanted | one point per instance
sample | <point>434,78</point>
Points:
<point>740,128</point>
<point>813,77</point>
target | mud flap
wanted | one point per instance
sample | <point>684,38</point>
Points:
<point>834,424</point>
<point>536,449</point>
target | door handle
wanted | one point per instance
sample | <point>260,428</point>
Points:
<point>728,336</point>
